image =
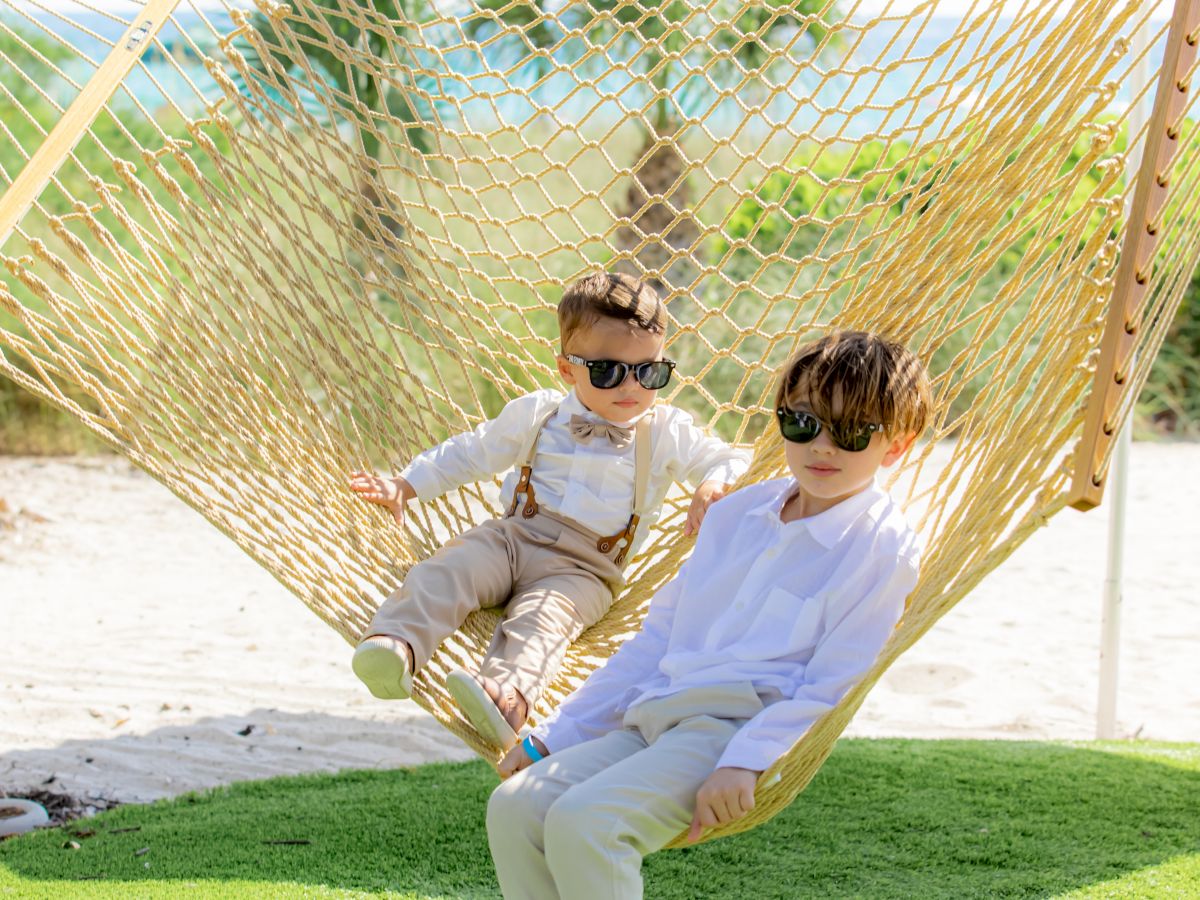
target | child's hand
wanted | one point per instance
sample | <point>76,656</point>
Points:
<point>390,492</point>
<point>517,759</point>
<point>706,495</point>
<point>726,796</point>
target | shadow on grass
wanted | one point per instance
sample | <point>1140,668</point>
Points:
<point>882,819</point>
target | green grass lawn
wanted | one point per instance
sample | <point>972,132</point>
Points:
<point>889,818</point>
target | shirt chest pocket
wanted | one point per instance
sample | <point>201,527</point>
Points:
<point>786,624</point>
<point>598,480</point>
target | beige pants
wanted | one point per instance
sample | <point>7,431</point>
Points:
<point>545,571</point>
<point>577,824</point>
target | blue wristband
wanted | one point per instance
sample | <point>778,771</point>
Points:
<point>533,752</point>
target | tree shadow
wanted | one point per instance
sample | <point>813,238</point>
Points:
<point>882,819</point>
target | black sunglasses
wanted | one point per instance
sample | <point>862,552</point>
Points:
<point>609,373</point>
<point>803,427</point>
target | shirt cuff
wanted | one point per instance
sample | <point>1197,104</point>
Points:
<point>744,755</point>
<point>423,479</point>
<point>557,735</point>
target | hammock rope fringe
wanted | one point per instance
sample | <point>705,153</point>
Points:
<point>254,250</point>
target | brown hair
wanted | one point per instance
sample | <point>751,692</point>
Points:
<point>606,295</point>
<point>876,379</point>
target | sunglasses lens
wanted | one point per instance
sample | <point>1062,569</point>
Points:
<point>860,440</point>
<point>654,375</point>
<point>803,427</point>
<point>853,439</point>
<point>607,373</point>
<point>798,427</point>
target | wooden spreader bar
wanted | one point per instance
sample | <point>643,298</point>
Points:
<point>61,140</point>
<point>1131,284</point>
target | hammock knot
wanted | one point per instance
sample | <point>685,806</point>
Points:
<point>175,146</point>
<point>272,10</point>
<point>73,242</point>
<point>16,265</point>
<point>217,72</point>
<point>1106,92</point>
<point>1103,138</point>
<point>42,252</point>
<point>239,18</point>
<point>226,42</point>
<point>215,118</point>
<point>205,143</point>
<point>124,168</point>
<point>170,146</point>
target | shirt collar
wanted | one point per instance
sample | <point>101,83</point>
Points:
<point>829,527</point>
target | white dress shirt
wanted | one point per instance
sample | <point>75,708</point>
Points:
<point>590,483</point>
<point>798,609</point>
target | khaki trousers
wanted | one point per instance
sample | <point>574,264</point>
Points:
<point>545,571</point>
<point>577,824</point>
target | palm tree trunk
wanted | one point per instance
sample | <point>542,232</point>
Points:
<point>661,242</point>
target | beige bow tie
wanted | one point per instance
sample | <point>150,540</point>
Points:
<point>584,429</point>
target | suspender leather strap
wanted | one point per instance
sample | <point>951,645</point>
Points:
<point>641,480</point>
<point>524,483</point>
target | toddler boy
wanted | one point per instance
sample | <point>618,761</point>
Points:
<point>590,470</point>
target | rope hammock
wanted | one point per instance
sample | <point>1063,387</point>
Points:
<point>256,249</point>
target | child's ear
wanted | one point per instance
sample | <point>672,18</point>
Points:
<point>564,370</point>
<point>897,448</point>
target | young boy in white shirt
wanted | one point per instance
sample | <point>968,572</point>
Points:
<point>791,591</point>
<point>592,468</point>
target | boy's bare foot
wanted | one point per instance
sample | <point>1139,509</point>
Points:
<point>385,665</point>
<point>497,711</point>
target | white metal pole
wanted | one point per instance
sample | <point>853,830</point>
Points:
<point>1110,620</point>
<point>1142,99</point>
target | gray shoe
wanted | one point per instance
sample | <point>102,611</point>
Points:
<point>381,663</point>
<point>481,710</point>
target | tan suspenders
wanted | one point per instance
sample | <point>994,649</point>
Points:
<point>641,480</point>
<point>524,486</point>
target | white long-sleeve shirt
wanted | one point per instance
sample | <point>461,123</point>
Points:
<point>590,483</point>
<point>799,608</point>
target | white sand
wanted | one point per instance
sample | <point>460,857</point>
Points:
<point>139,643</point>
